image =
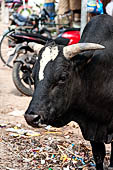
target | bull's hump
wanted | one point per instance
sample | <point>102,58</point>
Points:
<point>50,53</point>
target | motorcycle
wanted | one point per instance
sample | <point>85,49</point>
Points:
<point>16,18</point>
<point>30,30</point>
<point>26,58</point>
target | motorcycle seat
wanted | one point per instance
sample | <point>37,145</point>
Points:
<point>21,20</point>
<point>40,38</point>
<point>20,17</point>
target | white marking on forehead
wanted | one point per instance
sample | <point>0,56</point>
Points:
<point>49,54</point>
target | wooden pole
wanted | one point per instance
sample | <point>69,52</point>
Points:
<point>4,13</point>
<point>83,15</point>
<point>2,10</point>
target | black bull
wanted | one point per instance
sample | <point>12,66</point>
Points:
<point>78,89</point>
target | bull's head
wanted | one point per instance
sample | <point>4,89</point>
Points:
<point>58,88</point>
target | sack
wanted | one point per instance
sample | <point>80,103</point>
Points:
<point>91,6</point>
<point>95,6</point>
<point>99,9</point>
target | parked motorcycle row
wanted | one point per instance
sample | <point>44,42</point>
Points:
<point>15,52</point>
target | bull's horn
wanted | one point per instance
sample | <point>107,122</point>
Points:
<point>72,50</point>
<point>36,47</point>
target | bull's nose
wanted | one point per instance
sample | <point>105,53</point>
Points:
<point>32,119</point>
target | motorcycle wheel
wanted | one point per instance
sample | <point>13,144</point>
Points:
<point>6,47</point>
<point>22,78</point>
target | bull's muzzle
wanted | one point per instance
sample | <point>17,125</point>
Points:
<point>33,120</point>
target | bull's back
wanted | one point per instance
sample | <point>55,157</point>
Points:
<point>97,77</point>
<point>98,30</point>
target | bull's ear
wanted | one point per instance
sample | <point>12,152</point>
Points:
<point>36,47</point>
<point>84,57</point>
<point>73,50</point>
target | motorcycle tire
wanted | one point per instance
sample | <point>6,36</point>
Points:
<point>5,48</point>
<point>18,79</point>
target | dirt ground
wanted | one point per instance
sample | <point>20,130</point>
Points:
<point>15,148</point>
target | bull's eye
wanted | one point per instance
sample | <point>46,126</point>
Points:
<point>63,78</point>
